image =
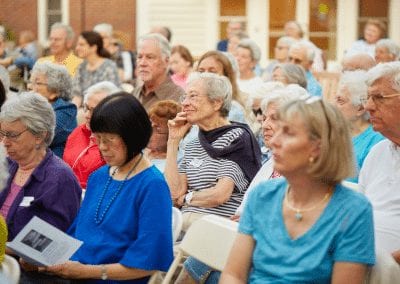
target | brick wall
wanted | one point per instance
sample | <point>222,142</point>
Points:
<point>19,15</point>
<point>85,14</point>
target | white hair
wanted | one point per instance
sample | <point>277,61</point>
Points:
<point>160,40</point>
<point>3,168</point>
<point>217,88</point>
<point>104,28</point>
<point>308,47</point>
<point>390,45</point>
<point>356,83</point>
<point>284,95</point>
<point>252,46</point>
<point>104,87</point>
<point>69,31</point>
<point>390,70</point>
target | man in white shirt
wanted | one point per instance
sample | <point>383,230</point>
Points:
<point>380,174</point>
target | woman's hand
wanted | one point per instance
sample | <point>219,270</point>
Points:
<point>27,266</point>
<point>68,270</point>
<point>178,127</point>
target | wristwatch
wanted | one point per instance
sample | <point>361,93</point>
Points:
<point>188,197</point>
<point>104,275</point>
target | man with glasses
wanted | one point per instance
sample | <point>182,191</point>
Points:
<point>380,174</point>
<point>303,55</point>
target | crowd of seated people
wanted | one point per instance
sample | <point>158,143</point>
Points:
<point>214,134</point>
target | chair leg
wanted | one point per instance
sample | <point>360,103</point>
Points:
<point>173,267</point>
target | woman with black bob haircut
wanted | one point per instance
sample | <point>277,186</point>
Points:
<point>125,218</point>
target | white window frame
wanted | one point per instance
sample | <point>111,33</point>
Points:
<point>43,20</point>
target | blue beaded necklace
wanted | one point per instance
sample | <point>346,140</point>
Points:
<point>98,219</point>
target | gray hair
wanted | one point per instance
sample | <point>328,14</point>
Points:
<point>286,40</point>
<point>104,28</point>
<point>34,111</point>
<point>160,40</point>
<point>294,73</point>
<point>252,46</point>
<point>390,70</point>
<point>58,79</point>
<point>104,87</point>
<point>356,85</point>
<point>308,47</point>
<point>283,96</point>
<point>3,168</point>
<point>5,78</point>
<point>217,88</point>
<point>390,45</point>
<point>66,28</point>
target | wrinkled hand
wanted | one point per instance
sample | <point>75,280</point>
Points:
<point>178,127</point>
<point>69,269</point>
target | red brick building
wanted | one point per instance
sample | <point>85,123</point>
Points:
<point>38,15</point>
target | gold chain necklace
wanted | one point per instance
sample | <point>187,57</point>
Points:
<point>298,215</point>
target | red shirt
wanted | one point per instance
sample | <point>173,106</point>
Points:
<point>82,154</point>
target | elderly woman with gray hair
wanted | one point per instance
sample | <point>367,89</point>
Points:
<point>220,163</point>
<point>40,184</point>
<point>289,73</point>
<point>352,88</point>
<point>81,150</point>
<point>53,82</point>
<point>386,50</point>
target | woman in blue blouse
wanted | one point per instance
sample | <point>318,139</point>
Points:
<point>125,218</point>
<point>54,83</point>
<point>306,227</point>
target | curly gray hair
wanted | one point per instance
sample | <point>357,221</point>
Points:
<point>58,79</point>
<point>34,111</point>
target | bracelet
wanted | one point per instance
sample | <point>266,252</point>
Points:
<point>104,275</point>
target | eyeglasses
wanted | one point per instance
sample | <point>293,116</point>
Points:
<point>190,97</point>
<point>106,140</point>
<point>378,99</point>
<point>12,136</point>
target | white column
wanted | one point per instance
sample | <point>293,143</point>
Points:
<point>65,11</point>
<point>211,25</point>
<point>303,15</point>
<point>257,15</point>
<point>42,21</point>
<point>394,20</point>
<point>142,18</point>
<point>346,33</point>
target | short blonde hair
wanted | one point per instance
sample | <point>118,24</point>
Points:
<point>325,123</point>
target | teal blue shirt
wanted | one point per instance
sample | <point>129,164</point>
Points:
<point>313,87</point>
<point>343,233</point>
<point>362,144</point>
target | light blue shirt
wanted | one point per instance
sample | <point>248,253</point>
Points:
<point>313,87</point>
<point>343,233</point>
<point>362,144</point>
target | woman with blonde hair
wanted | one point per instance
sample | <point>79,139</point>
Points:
<point>305,227</point>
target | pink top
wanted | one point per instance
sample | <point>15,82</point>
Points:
<point>179,80</point>
<point>10,199</point>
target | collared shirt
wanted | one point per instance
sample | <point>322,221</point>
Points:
<point>313,87</point>
<point>51,193</point>
<point>71,62</point>
<point>166,91</point>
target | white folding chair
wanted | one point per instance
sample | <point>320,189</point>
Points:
<point>209,240</point>
<point>9,270</point>
<point>386,270</point>
<point>177,222</point>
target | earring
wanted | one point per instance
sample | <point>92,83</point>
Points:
<point>37,146</point>
<point>311,159</point>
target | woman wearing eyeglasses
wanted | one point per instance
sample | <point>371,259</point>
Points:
<point>53,82</point>
<point>40,184</point>
<point>81,151</point>
<point>305,227</point>
<point>125,219</point>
